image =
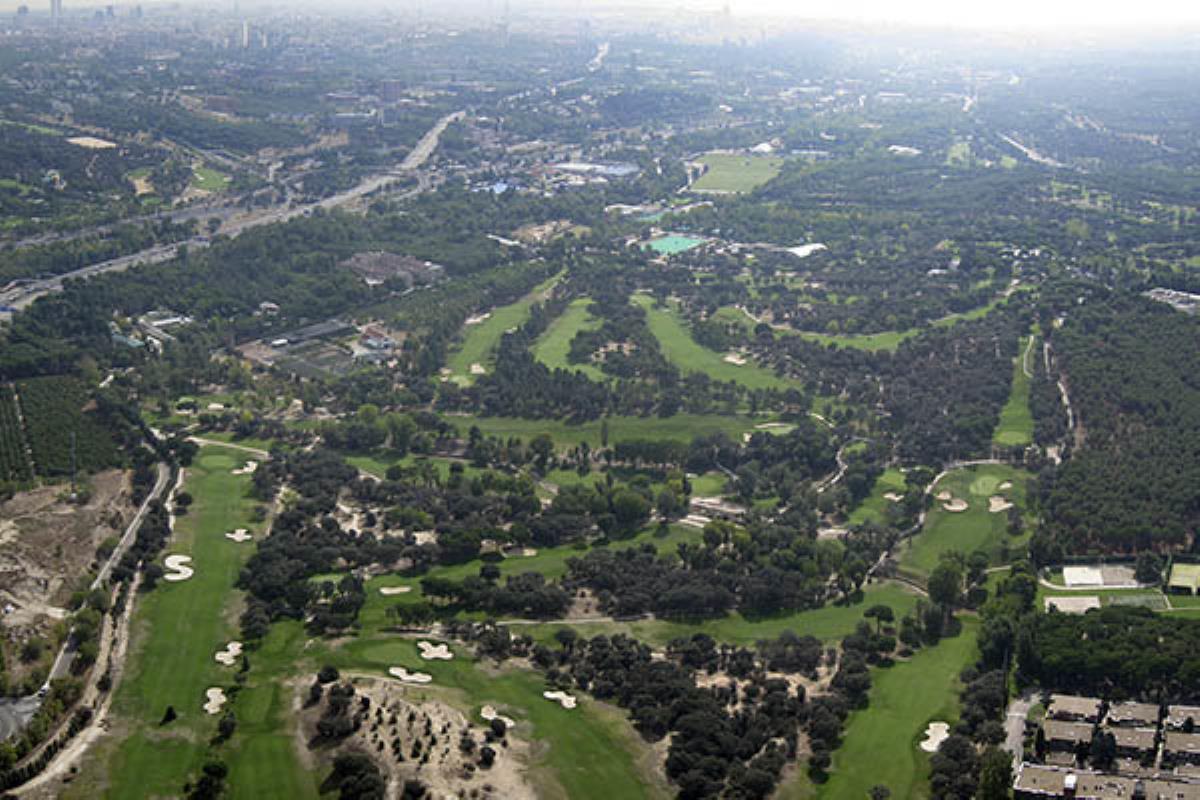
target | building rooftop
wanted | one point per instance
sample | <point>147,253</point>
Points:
<point>1178,715</point>
<point>1141,714</point>
<point>1035,780</point>
<point>1067,706</point>
<point>1133,738</point>
<point>1059,731</point>
<point>1182,743</point>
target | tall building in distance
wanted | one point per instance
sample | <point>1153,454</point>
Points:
<point>55,9</point>
<point>245,35</point>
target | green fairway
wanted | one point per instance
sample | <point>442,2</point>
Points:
<point>480,340</point>
<point>887,340</point>
<point>680,428</point>
<point>874,507</point>
<point>1016,420</point>
<point>974,529</point>
<point>553,346</point>
<point>207,179</point>
<point>731,173</point>
<point>684,352</point>
<point>589,752</point>
<point>178,627</point>
<point>880,745</point>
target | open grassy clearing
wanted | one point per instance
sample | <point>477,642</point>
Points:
<point>731,173</point>
<point>885,735</point>
<point>1016,420</point>
<point>553,346</point>
<point>177,629</point>
<point>480,340</point>
<point>207,179</point>
<point>680,428</point>
<point>684,352</point>
<point>874,508</point>
<point>973,529</point>
<point>890,340</point>
<point>589,752</point>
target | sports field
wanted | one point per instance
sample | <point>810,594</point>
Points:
<point>684,352</point>
<point>673,244</point>
<point>1185,576</point>
<point>177,629</point>
<point>553,346</point>
<point>976,528</point>
<point>480,340</point>
<point>731,173</point>
<point>885,735</point>
<point>1016,420</point>
<point>207,179</point>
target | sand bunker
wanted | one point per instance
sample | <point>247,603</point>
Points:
<point>996,504</point>
<point>229,655</point>
<point>1006,485</point>
<point>410,677</point>
<point>435,652</point>
<point>92,143</point>
<point>239,536</point>
<point>477,369</point>
<point>489,713</point>
<point>935,734</point>
<point>216,699</point>
<point>735,359</point>
<point>179,569</point>
<point>956,506</point>
<point>562,698</point>
<point>248,469</point>
<point>895,498</point>
<point>477,318</point>
<point>391,591</point>
<point>944,495</point>
<point>521,552</point>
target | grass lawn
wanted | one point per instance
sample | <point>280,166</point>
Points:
<point>732,173</point>
<point>553,346</point>
<point>589,752</point>
<point>874,508</point>
<point>684,352</point>
<point>207,179</point>
<point>829,623</point>
<point>480,341</point>
<point>1016,420</point>
<point>973,529</point>
<point>881,741</point>
<point>178,627</point>
<point>887,340</point>
<point>680,428</point>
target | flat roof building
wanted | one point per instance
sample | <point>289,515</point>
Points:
<point>1071,708</point>
<point>1132,715</point>
<point>1177,717</point>
<point>1034,782</point>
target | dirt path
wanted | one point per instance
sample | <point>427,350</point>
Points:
<point>1014,727</point>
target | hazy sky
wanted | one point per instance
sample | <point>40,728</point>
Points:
<point>985,13</point>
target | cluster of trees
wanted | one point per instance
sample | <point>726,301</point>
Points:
<point>1117,652</point>
<point>60,424</point>
<point>59,257</point>
<point>63,695</point>
<point>763,569</point>
<point>15,469</point>
<point>1134,484</point>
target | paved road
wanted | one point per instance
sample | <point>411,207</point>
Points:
<point>1014,727</point>
<point>23,296</point>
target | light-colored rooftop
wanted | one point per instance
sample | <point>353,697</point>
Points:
<point>1069,705</point>
<point>1133,713</point>
<point>1059,731</point>
<point>1040,781</point>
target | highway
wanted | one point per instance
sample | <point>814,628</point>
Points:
<point>21,297</point>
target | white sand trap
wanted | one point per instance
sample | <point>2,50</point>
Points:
<point>1006,486</point>
<point>179,569</point>
<point>391,591</point>
<point>248,469</point>
<point>477,369</point>
<point>944,495</point>
<point>895,498</point>
<point>410,677</point>
<point>521,552</point>
<point>216,699</point>
<point>1073,605</point>
<point>996,504</point>
<point>239,536</point>
<point>216,407</point>
<point>956,506</point>
<point>735,359</point>
<point>229,655</point>
<point>935,734</point>
<point>477,318</point>
<point>562,698</point>
<point>1083,576</point>
<point>773,426</point>
<point>92,143</point>
<point>489,713</point>
<point>435,652</point>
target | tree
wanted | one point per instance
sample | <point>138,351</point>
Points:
<point>880,792</point>
<point>945,584</point>
<point>995,775</point>
<point>881,614</point>
<point>1149,569</point>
